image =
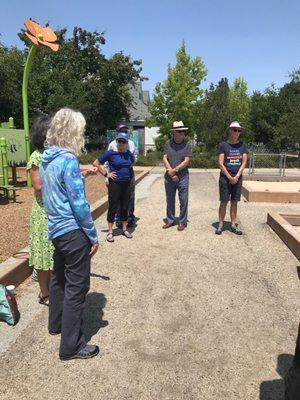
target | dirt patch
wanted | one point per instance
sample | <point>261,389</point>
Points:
<point>14,217</point>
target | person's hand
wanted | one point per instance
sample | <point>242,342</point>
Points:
<point>112,175</point>
<point>234,180</point>
<point>94,249</point>
<point>175,179</point>
<point>90,171</point>
<point>171,172</point>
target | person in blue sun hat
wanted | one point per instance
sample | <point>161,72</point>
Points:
<point>120,162</point>
<point>122,128</point>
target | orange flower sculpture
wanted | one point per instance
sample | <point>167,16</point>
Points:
<point>41,35</point>
<point>37,34</point>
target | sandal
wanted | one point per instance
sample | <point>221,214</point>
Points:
<point>127,234</point>
<point>110,238</point>
<point>44,300</point>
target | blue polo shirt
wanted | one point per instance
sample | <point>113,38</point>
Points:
<point>120,163</point>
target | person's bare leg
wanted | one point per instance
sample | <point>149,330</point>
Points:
<point>233,212</point>
<point>124,225</point>
<point>43,278</point>
<point>222,212</point>
<point>110,227</point>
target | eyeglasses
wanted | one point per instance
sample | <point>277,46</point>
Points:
<point>121,141</point>
<point>237,130</point>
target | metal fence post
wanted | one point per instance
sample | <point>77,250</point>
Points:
<point>284,164</point>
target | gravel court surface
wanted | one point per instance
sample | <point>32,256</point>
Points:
<point>177,315</point>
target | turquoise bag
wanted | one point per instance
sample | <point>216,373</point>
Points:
<point>8,307</point>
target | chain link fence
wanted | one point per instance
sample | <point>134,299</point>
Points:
<point>275,164</point>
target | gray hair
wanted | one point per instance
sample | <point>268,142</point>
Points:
<point>67,130</point>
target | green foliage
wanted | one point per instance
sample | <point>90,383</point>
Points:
<point>212,116</point>
<point>203,159</point>
<point>275,116</point>
<point>239,102</point>
<point>90,157</point>
<point>12,62</point>
<point>176,97</point>
<point>264,116</point>
<point>77,76</point>
<point>152,158</point>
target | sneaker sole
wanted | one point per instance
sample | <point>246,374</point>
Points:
<point>77,357</point>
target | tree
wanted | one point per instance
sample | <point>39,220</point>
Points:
<point>239,102</point>
<point>288,129</point>
<point>11,70</point>
<point>212,116</point>
<point>77,76</point>
<point>176,97</point>
<point>264,116</point>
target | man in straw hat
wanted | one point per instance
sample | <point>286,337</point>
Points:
<point>232,162</point>
<point>177,153</point>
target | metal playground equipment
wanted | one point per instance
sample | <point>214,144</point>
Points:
<point>13,154</point>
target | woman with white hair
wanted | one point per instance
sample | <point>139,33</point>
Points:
<point>71,229</point>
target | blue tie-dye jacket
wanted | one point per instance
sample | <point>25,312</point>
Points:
<point>63,194</point>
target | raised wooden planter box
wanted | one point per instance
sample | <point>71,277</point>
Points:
<point>287,227</point>
<point>272,192</point>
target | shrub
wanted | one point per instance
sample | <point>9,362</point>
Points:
<point>90,157</point>
<point>203,160</point>
<point>152,158</point>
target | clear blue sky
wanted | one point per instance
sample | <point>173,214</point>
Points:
<point>256,39</point>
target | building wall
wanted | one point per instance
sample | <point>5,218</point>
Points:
<point>150,135</point>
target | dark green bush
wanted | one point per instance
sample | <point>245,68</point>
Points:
<point>90,157</point>
<point>152,158</point>
<point>203,160</point>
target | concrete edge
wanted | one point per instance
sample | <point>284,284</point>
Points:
<point>285,231</point>
<point>15,270</point>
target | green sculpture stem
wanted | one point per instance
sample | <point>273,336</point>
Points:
<point>27,68</point>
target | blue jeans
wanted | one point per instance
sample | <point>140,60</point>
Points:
<point>183,192</point>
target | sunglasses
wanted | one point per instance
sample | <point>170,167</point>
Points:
<point>237,130</point>
<point>121,141</point>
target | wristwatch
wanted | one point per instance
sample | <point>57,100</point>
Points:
<point>176,170</point>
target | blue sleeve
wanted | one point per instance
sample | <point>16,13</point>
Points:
<point>246,149</point>
<point>166,147</point>
<point>132,157</point>
<point>105,157</point>
<point>222,149</point>
<point>76,196</point>
<point>188,152</point>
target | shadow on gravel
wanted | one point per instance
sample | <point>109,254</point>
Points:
<point>104,277</point>
<point>226,226</point>
<point>93,314</point>
<point>117,231</point>
<point>274,390</point>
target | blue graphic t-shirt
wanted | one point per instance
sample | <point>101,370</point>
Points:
<point>233,155</point>
<point>120,163</point>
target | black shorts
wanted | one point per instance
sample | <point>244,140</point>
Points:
<point>228,191</point>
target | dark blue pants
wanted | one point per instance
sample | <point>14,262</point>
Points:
<point>183,192</point>
<point>70,282</point>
